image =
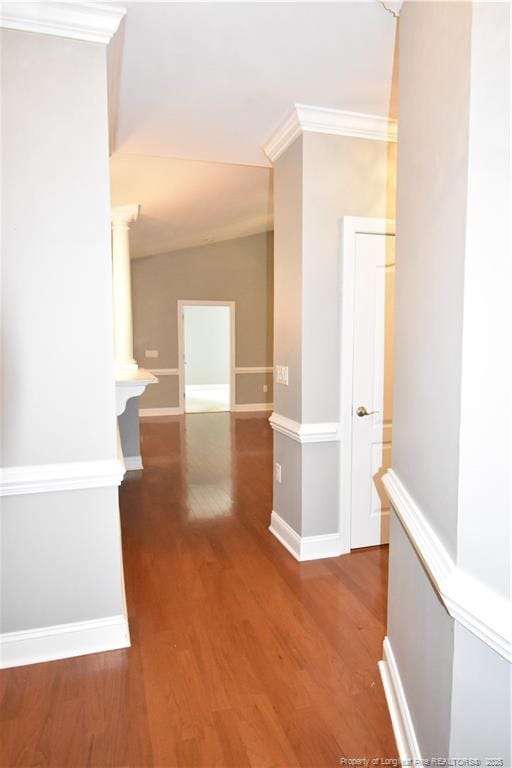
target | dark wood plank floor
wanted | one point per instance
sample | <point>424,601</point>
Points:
<point>240,655</point>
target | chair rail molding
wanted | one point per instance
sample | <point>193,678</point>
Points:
<point>69,476</point>
<point>164,371</point>
<point>254,369</point>
<point>322,432</point>
<point>302,118</point>
<point>486,613</point>
<point>91,22</point>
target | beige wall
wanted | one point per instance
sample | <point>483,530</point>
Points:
<point>238,270</point>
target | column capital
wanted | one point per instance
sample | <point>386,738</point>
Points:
<point>124,215</point>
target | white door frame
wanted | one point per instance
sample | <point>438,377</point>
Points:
<point>351,226</point>
<point>182,303</point>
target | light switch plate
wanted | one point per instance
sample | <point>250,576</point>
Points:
<point>282,374</point>
<point>151,352</point>
<point>279,474</point>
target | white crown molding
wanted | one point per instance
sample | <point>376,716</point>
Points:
<point>305,119</point>
<point>322,432</point>
<point>133,463</point>
<point>254,369</point>
<point>63,641</point>
<point>401,720</point>
<point>250,407</point>
<point>92,22</point>
<point>69,476</point>
<point>480,609</point>
<point>164,371</point>
<point>305,547</point>
<point>171,411</point>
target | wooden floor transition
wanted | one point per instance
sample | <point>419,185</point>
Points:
<point>240,655</point>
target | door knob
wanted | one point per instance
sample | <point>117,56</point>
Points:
<point>361,411</point>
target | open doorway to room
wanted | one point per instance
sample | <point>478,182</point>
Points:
<point>206,333</point>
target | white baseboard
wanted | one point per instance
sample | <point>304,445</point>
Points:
<point>63,641</point>
<point>249,407</point>
<point>305,547</point>
<point>174,411</point>
<point>133,462</point>
<point>401,720</point>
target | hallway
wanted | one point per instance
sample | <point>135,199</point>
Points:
<point>240,655</point>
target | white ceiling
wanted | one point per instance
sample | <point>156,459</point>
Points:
<point>186,203</point>
<point>209,82</point>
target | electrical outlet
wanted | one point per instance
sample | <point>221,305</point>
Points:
<point>151,352</point>
<point>265,387</point>
<point>282,374</point>
<point>278,473</point>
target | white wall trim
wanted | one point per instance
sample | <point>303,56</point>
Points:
<point>164,371</point>
<point>304,547</point>
<point>249,407</point>
<point>401,720</point>
<point>169,411</point>
<point>477,607</point>
<point>254,369</point>
<point>70,476</point>
<point>63,641</point>
<point>322,432</point>
<point>131,384</point>
<point>302,118</point>
<point>132,463</point>
<point>92,22</point>
<point>350,227</point>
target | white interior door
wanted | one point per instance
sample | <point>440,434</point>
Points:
<point>372,387</point>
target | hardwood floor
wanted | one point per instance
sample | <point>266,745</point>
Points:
<point>240,655</point>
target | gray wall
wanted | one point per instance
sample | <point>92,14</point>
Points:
<point>318,180</point>
<point>129,430</point>
<point>61,551</point>
<point>238,270</point>
<point>207,337</point>
<point>452,325</point>
<point>430,250</point>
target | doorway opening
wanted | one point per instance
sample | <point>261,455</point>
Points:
<point>206,333</point>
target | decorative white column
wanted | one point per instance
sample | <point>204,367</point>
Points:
<point>121,219</point>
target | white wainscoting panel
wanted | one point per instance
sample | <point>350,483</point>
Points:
<point>477,607</point>
<point>305,547</point>
<point>63,641</point>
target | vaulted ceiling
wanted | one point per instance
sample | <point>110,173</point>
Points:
<point>209,81</point>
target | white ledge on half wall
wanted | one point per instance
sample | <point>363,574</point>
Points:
<point>92,22</point>
<point>477,607</point>
<point>321,432</point>
<point>305,119</point>
<point>131,384</point>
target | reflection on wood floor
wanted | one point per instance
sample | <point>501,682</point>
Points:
<point>240,655</point>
